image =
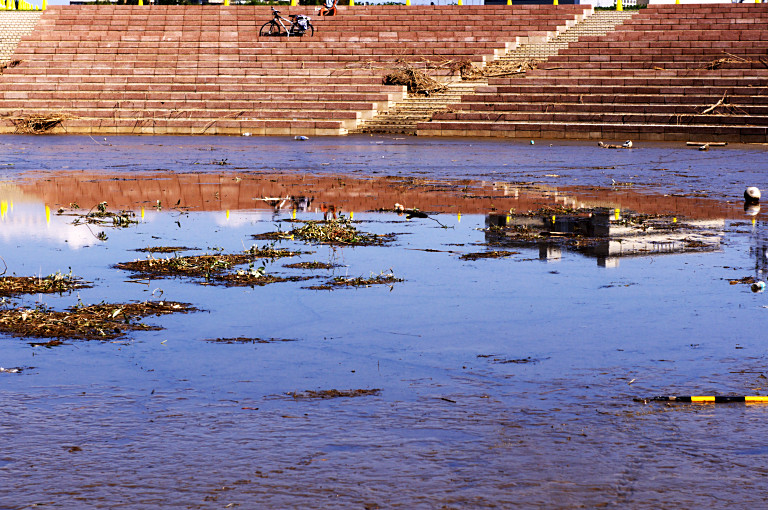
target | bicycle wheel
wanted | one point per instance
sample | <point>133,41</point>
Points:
<point>270,28</point>
<point>310,29</point>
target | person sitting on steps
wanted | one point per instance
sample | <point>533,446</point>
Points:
<point>328,8</point>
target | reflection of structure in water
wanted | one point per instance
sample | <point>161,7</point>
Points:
<point>604,234</point>
<point>759,248</point>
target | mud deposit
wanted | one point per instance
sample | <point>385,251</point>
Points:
<point>458,351</point>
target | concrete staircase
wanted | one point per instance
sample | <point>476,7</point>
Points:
<point>13,26</point>
<point>669,73</point>
<point>598,24</point>
<point>167,69</point>
<point>406,114</point>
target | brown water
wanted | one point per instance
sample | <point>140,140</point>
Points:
<point>504,383</point>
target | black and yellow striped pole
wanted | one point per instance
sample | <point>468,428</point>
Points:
<point>711,399</point>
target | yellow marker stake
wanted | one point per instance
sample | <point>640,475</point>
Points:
<point>619,7</point>
<point>47,214</point>
<point>555,3</point>
<point>407,2</point>
<point>458,217</point>
<point>293,214</point>
<point>141,2</point>
<point>226,3</point>
<point>142,213</point>
<point>3,209</point>
<point>509,2</point>
<point>553,220</point>
<point>617,213</point>
<point>293,3</point>
<point>351,3</point>
<point>460,3</point>
<point>674,220</point>
<point>227,213</point>
<point>45,4</point>
<point>351,214</point>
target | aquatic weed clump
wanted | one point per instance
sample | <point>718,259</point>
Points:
<point>53,283</point>
<point>337,231</point>
<point>103,321</point>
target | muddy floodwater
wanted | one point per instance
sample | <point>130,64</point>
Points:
<point>484,339</point>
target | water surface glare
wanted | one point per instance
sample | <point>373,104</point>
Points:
<point>503,382</point>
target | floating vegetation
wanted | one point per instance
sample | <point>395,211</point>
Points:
<point>104,321</point>
<point>204,266</point>
<point>324,394</point>
<point>246,340</point>
<point>165,249</point>
<point>518,361</point>
<point>344,281</point>
<point>255,278</point>
<point>312,265</point>
<point>99,215</point>
<point>747,280</point>
<point>53,283</point>
<point>337,232</point>
<point>488,255</point>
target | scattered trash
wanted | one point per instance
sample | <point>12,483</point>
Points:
<point>716,399</point>
<point>711,144</point>
<point>13,370</point>
<point>625,145</point>
<point>752,195</point>
<point>301,138</point>
<point>246,134</point>
<point>704,147</point>
<point>532,142</point>
<point>758,287</point>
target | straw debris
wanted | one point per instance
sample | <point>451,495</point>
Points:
<point>418,82</point>
<point>33,124</point>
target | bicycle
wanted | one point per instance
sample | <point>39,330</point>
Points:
<point>299,24</point>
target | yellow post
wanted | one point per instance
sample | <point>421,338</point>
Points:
<point>141,2</point>
<point>619,7</point>
<point>351,3</point>
<point>407,2</point>
<point>2,4</point>
<point>555,3</point>
<point>45,4</point>
<point>226,3</point>
<point>509,2</point>
<point>294,3</point>
<point>460,2</point>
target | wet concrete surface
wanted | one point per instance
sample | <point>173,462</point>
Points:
<point>504,382</point>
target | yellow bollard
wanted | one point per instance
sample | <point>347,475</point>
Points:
<point>45,4</point>
<point>294,3</point>
<point>555,3</point>
<point>141,2</point>
<point>407,2</point>
<point>351,3</point>
<point>47,215</point>
<point>226,3</point>
<point>509,2</point>
<point>460,3</point>
<point>619,7</point>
